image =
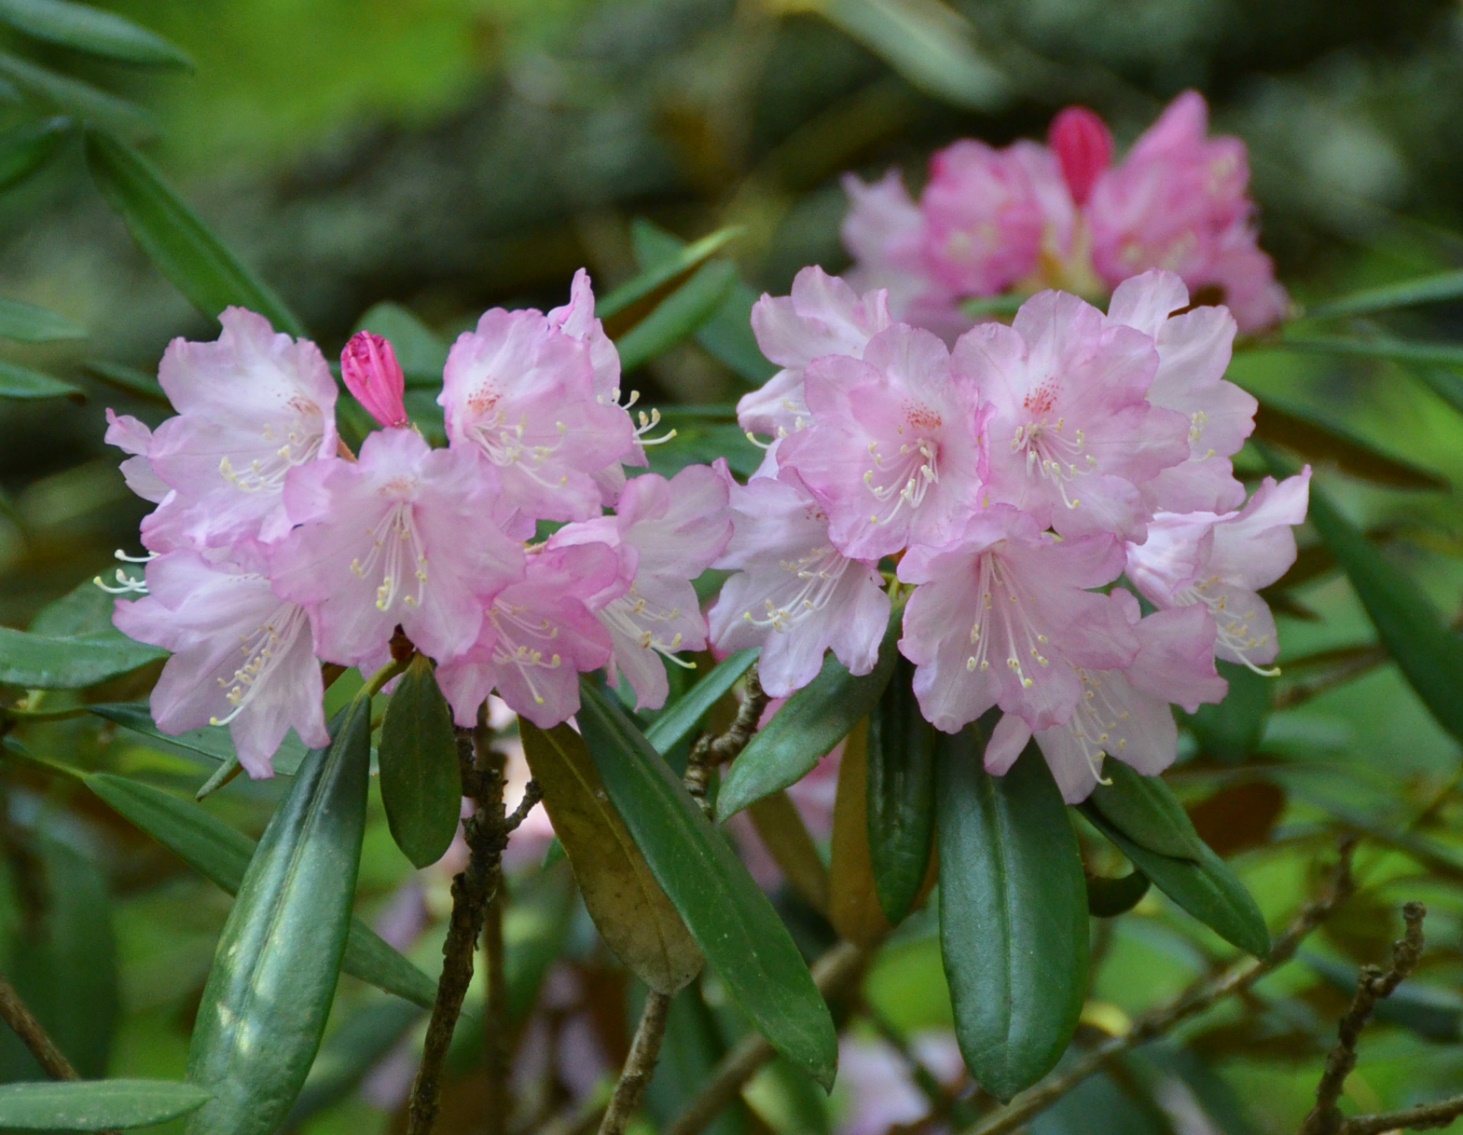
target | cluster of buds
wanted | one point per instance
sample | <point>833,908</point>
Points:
<point>273,548</point>
<point>1015,481</point>
<point>1063,216</point>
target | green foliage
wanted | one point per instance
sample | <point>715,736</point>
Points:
<point>83,1105</point>
<point>901,794</point>
<point>92,30</point>
<point>421,786</point>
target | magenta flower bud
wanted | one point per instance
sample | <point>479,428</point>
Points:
<point>372,374</point>
<point>1083,146</point>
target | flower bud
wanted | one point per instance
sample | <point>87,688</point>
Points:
<point>1084,148</point>
<point>372,374</point>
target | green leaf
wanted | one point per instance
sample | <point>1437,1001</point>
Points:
<point>664,271</point>
<point>421,785</point>
<point>278,960</point>
<point>221,854</point>
<point>930,44</point>
<point>679,316</point>
<point>1316,435</point>
<point>1386,349</point>
<point>677,723</point>
<point>212,741</point>
<point>85,103</point>
<point>91,30</point>
<point>1108,898</point>
<point>1013,914</point>
<point>1206,888</point>
<point>29,324</point>
<point>178,243</point>
<point>853,898</point>
<point>901,794</point>
<point>1231,731</point>
<point>726,912</point>
<point>803,731</point>
<point>1390,297</point>
<point>635,918</point>
<point>28,147</point>
<point>420,350</point>
<point>48,662</point>
<point>130,379</point>
<point>22,382</point>
<point>1427,651</point>
<point>92,1105</point>
<point>1145,810</point>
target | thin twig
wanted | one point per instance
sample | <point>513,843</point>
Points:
<point>639,1065</point>
<point>708,752</point>
<point>472,892</point>
<point>532,794</point>
<point>16,1013</point>
<point>1373,985</point>
<point>1198,998</point>
<point>833,973</point>
<point>1419,1118</point>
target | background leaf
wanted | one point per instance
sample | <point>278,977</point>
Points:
<point>853,900</point>
<point>85,1105</point>
<point>22,382</point>
<point>30,324</point>
<point>92,30</point>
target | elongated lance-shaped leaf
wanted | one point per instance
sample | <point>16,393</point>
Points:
<point>27,323</point>
<point>1428,653</point>
<point>807,727</point>
<point>635,918</point>
<point>178,243</point>
<point>421,785</point>
<point>1205,887</point>
<point>853,901</point>
<point>667,271</point>
<point>1381,347</point>
<point>56,662</point>
<point>1313,433</point>
<point>28,147</point>
<point>726,912</point>
<point>1390,297</point>
<point>22,382</point>
<point>93,1105</point>
<point>901,794</point>
<point>1108,898</point>
<point>92,30</point>
<point>679,316</point>
<point>221,854</point>
<point>1145,810</point>
<point>676,723</point>
<point>209,740</point>
<point>1013,914</point>
<point>81,101</point>
<point>278,960</point>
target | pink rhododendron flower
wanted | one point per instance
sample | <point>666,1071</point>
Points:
<point>538,635</point>
<point>1073,435</point>
<point>897,449</point>
<point>371,373</point>
<point>404,536</point>
<point>795,595</point>
<point>131,436</point>
<point>1003,617</point>
<point>1124,713</point>
<point>242,656</point>
<point>251,406</point>
<point>1221,562</point>
<point>521,391</point>
<point>666,533</point>
<point>822,316</point>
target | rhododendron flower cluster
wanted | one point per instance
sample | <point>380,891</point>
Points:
<point>1064,216</point>
<point>1014,481</point>
<point>273,548</point>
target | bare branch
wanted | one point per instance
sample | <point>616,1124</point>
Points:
<point>16,1013</point>
<point>639,1065</point>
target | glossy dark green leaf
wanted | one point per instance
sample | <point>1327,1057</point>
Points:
<point>681,719</point>
<point>221,854</point>
<point>211,741</point>
<point>22,382</point>
<point>726,912</point>
<point>1013,914</point>
<point>1390,297</point>
<point>28,147</point>
<point>421,785</point>
<point>678,317</point>
<point>1427,651</point>
<point>1318,436</point>
<point>1145,810</point>
<point>92,1105</point>
<point>278,961</point>
<point>635,918</point>
<point>82,101</point>
<point>666,270</point>
<point>1231,731</point>
<point>178,243</point>
<point>1206,888</point>
<point>901,794</point>
<point>27,323</point>
<point>92,30</point>
<point>803,731</point>
<point>54,662</point>
<point>1110,897</point>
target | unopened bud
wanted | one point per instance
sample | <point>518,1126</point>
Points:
<point>372,374</point>
<point>1083,146</point>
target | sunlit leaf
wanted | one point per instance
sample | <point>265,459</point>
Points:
<point>421,785</point>
<point>92,1105</point>
<point>82,101</point>
<point>30,324</point>
<point>178,243</point>
<point>92,30</point>
<point>635,918</point>
<point>1013,914</point>
<point>901,794</point>
<point>806,728</point>
<point>726,912</point>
